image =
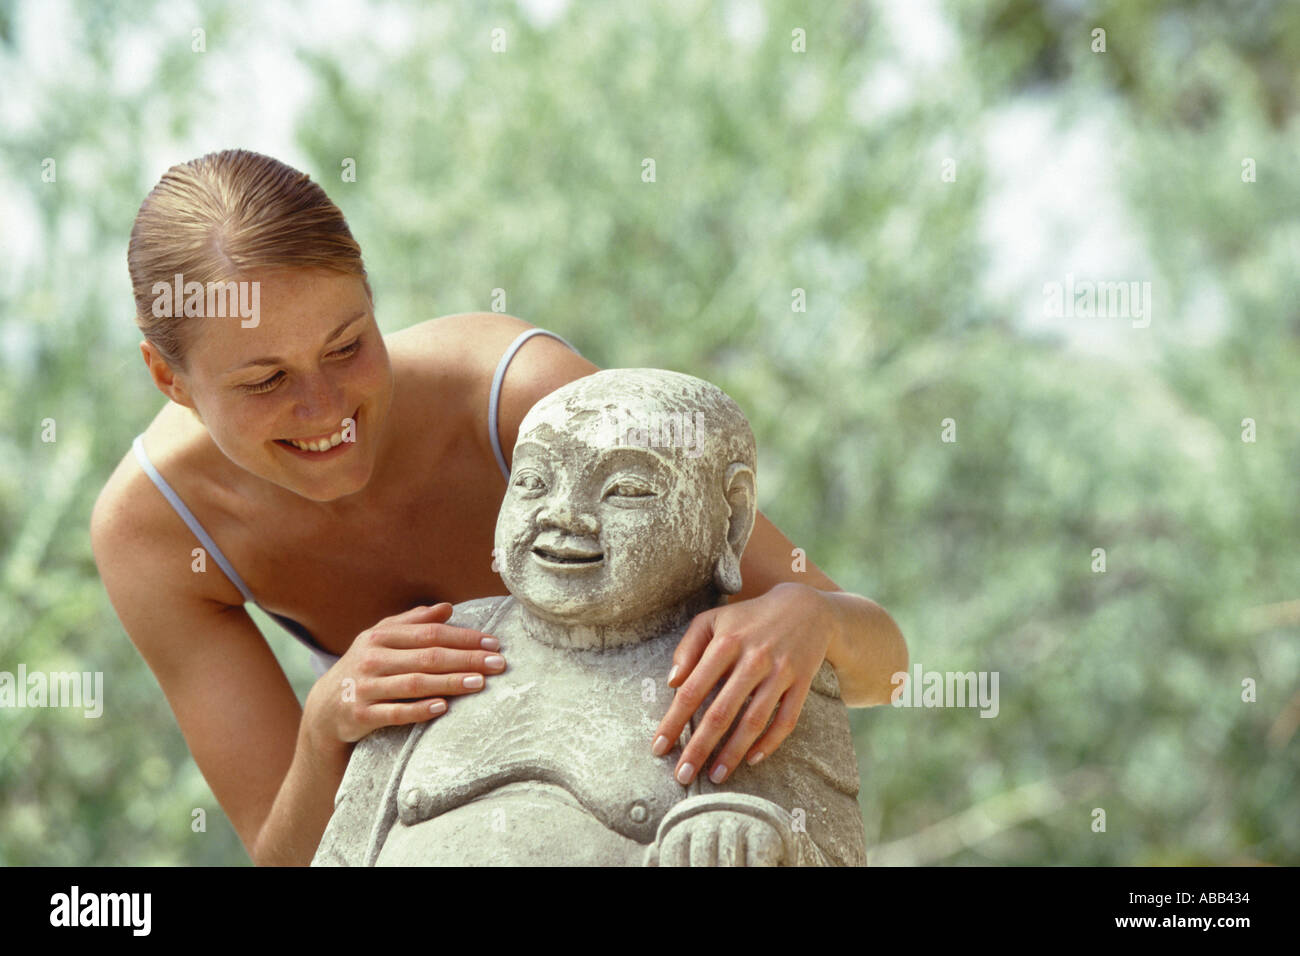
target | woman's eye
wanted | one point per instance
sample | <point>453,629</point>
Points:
<point>265,385</point>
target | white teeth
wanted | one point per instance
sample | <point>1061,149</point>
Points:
<point>325,444</point>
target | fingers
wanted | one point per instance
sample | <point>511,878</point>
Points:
<point>410,687</point>
<point>716,720</point>
<point>752,723</point>
<point>401,669</point>
<point>786,718</point>
<point>691,647</point>
<point>386,662</point>
<point>719,656</point>
<point>423,612</point>
<point>392,715</point>
<point>411,634</point>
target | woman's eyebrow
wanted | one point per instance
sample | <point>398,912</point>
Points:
<point>276,360</point>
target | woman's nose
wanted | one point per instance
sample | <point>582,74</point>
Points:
<point>318,395</point>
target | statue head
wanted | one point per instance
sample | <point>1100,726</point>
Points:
<point>631,497</point>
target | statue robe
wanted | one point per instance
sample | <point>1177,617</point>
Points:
<point>550,764</point>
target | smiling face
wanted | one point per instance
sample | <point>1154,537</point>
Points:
<point>314,360</point>
<point>601,535</point>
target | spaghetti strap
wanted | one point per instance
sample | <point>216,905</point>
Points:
<point>494,400</point>
<point>188,517</point>
<point>321,659</point>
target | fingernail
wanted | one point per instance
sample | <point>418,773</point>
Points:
<point>719,772</point>
<point>473,682</point>
<point>494,661</point>
<point>490,644</point>
<point>758,755</point>
<point>672,673</point>
<point>660,746</point>
<point>437,707</point>
<point>685,772</point>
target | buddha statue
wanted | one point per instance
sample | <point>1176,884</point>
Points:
<point>630,501</point>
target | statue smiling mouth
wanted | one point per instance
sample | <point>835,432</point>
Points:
<point>552,550</point>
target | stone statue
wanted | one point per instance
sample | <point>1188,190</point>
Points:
<point>631,498</point>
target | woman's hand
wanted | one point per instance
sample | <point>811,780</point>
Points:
<point>399,672</point>
<point>773,646</point>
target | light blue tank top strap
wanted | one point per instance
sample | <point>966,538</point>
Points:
<point>322,659</point>
<point>494,400</point>
<point>188,517</point>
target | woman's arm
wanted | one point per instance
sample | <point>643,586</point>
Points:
<point>761,652</point>
<point>273,767</point>
<point>235,708</point>
<point>866,647</point>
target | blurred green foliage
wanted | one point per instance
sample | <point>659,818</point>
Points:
<point>775,170</point>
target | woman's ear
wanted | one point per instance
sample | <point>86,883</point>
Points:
<point>165,378</point>
<point>742,499</point>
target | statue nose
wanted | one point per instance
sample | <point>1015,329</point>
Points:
<point>561,514</point>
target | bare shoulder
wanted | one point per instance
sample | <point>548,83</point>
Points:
<point>137,536</point>
<point>465,349</point>
<point>472,342</point>
<point>122,510</point>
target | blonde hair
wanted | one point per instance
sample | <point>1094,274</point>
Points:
<point>223,216</point>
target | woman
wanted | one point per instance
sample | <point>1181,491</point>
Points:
<point>349,484</point>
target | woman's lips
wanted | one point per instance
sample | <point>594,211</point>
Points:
<point>332,452</point>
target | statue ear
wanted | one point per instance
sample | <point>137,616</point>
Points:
<point>742,500</point>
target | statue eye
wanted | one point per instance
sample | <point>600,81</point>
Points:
<point>629,489</point>
<point>530,482</point>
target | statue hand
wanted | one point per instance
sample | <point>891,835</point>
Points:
<point>718,838</point>
<point>398,672</point>
<point>772,645</point>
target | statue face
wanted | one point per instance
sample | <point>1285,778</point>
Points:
<point>595,534</point>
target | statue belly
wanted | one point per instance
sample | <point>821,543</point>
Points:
<point>520,824</point>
